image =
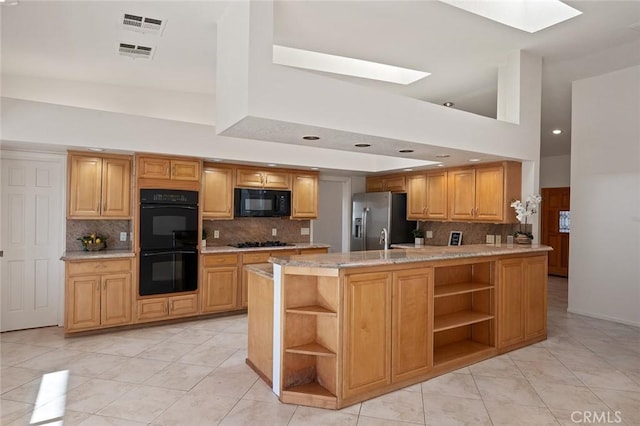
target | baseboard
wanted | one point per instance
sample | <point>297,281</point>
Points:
<point>603,317</point>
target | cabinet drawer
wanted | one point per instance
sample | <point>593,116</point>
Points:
<point>220,259</point>
<point>103,266</point>
<point>183,305</point>
<point>261,257</point>
<point>152,308</point>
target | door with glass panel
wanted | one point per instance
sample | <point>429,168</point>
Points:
<point>556,226</point>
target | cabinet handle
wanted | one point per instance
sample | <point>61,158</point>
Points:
<point>165,307</point>
<point>167,172</point>
<point>472,212</point>
<point>97,286</point>
<point>426,210</point>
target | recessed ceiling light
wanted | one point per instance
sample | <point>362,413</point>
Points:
<point>525,15</point>
<point>405,151</point>
<point>448,104</point>
<point>315,168</point>
<point>440,165</point>
<point>317,61</point>
<point>311,138</point>
<point>443,156</point>
<point>362,145</point>
<point>217,160</point>
<point>272,165</point>
<point>556,131</point>
<point>408,170</point>
<point>96,149</point>
<point>474,160</point>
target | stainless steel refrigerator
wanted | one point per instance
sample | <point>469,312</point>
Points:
<point>372,211</point>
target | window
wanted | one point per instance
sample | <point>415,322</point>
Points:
<point>564,225</point>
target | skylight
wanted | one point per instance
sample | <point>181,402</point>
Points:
<point>525,15</point>
<point>343,65</point>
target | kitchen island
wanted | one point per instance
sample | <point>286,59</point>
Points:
<point>347,327</point>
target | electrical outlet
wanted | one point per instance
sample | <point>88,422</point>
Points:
<point>498,239</point>
<point>216,234</point>
<point>274,232</point>
<point>123,236</point>
<point>490,239</point>
<point>304,231</point>
<point>429,234</point>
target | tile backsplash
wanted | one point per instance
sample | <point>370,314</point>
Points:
<point>255,229</point>
<point>472,233</point>
<point>109,228</point>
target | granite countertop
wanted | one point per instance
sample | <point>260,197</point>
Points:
<point>396,256</point>
<point>263,269</point>
<point>293,246</point>
<point>91,255</point>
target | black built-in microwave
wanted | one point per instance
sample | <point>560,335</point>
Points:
<point>262,203</point>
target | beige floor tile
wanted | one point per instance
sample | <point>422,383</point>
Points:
<point>94,364</point>
<point>521,415</point>
<point>260,391</point>
<point>232,381</point>
<point>179,376</point>
<point>95,394</point>
<point>71,418</point>
<point>134,370</point>
<point>13,377</point>
<point>239,358</point>
<point>142,403</point>
<point>399,405</point>
<point>14,354</point>
<point>157,333</point>
<point>452,384</point>
<point>532,353</point>
<point>215,325</point>
<point>568,417</point>
<point>413,388</point>
<point>609,378</point>
<point>193,336</point>
<point>207,354</point>
<point>566,396</point>
<point>309,416</point>
<point>29,391</point>
<point>196,408</point>
<point>167,351</point>
<point>88,343</point>
<point>126,346</point>
<point>500,366</point>
<point>372,421</point>
<point>56,360</point>
<point>230,340</point>
<point>508,390</point>
<point>45,336</point>
<point>108,421</point>
<point>445,411</point>
<point>548,370</point>
<point>627,403</point>
<point>12,410</point>
<point>238,325</point>
<point>247,412</point>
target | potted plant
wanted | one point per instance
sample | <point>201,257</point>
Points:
<point>93,242</point>
<point>523,211</point>
<point>418,236</point>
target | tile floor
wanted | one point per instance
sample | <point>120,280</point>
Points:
<point>194,373</point>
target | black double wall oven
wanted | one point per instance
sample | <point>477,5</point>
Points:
<point>168,241</point>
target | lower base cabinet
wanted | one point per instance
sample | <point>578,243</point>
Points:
<point>219,286</point>
<point>159,308</point>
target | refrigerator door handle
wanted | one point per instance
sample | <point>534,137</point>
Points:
<point>365,212</point>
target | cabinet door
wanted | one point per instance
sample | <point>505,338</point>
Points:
<point>181,306</point>
<point>115,301</point>
<point>154,168</point>
<point>462,194</point>
<point>511,302</point>
<point>277,180</point>
<point>367,333</point>
<point>535,297</point>
<point>185,170</point>
<point>489,194</point>
<point>249,178</point>
<point>152,309</point>
<point>83,302</point>
<point>437,196</point>
<point>85,183</point>
<point>220,289</point>
<point>116,188</point>
<point>304,197</point>
<point>375,185</point>
<point>412,346</point>
<point>416,197</point>
<point>217,193</point>
<point>395,184</point>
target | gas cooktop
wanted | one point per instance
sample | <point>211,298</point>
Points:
<point>250,244</point>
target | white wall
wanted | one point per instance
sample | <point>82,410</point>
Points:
<point>330,228</point>
<point>604,271</point>
<point>555,171</point>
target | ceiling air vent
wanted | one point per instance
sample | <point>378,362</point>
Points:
<point>143,24</point>
<point>135,51</point>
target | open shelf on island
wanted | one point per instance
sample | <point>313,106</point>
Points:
<point>313,388</point>
<point>458,319</point>
<point>455,351</point>
<point>459,288</point>
<point>311,310</point>
<point>313,348</point>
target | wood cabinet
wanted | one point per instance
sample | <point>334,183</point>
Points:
<point>99,187</point>
<point>367,355</point>
<point>168,168</point>
<point>304,196</point>
<point>427,196</point>
<point>219,289</point>
<point>217,192</point>
<point>392,183</point>
<point>159,308</point>
<point>522,300</point>
<point>257,178</point>
<point>484,193</point>
<point>98,294</point>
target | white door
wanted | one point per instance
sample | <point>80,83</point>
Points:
<point>31,231</point>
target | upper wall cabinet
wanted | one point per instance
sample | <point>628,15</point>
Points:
<point>304,203</point>
<point>395,183</point>
<point>168,168</point>
<point>484,193</point>
<point>217,192</point>
<point>257,178</point>
<point>99,187</point>
<point>427,196</point>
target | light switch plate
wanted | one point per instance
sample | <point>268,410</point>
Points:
<point>429,234</point>
<point>490,239</point>
<point>274,232</point>
<point>216,234</point>
<point>123,236</point>
<point>304,231</point>
<point>498,239</point>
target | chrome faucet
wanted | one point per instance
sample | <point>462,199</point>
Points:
<point>384,238</point>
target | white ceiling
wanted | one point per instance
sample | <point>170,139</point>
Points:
<point>76,41</point>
